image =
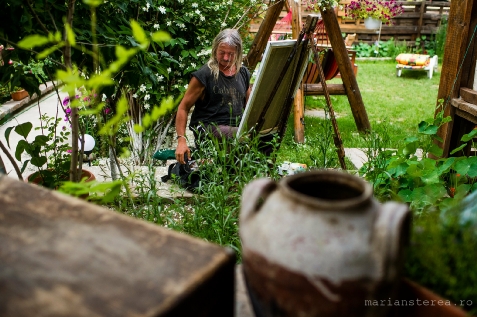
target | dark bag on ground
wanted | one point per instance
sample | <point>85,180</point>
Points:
<point>186,175</point>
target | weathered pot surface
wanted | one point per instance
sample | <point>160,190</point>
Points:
<point>319,244</point>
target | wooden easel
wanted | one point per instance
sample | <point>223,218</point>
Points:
<point>350,84</point>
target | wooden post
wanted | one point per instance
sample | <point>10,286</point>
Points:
<point>421,18</point>
<point>344,65</point>
<point>456,44</point>
<point>298,113</point>
<point>261,38</point>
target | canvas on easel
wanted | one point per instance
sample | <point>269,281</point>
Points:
<point>268,75</point>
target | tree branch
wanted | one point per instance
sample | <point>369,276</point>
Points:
<point>12,160</point>
<point>42,26</point>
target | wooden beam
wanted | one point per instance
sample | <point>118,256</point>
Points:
<point>261,38</point>
<point>468,95</point>
<point>298,113</point>
<point>317,89</point>
<point>455,47</point>
<point>346,70</point>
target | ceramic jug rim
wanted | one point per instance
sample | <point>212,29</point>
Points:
<point>344,179</point>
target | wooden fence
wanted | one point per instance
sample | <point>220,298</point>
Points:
<point>419,18</point>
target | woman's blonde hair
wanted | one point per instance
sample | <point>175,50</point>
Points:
<point>230,37</point>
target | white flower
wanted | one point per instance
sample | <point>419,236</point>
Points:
<point>202,18</point>
<point>197,11</point>
<point>104,97</point>
<point>147,97</point>
<point>186,86</point>
<point>135,96</point>
<point>145,9</point>
<point>147,106</point>
<point>142,88</point>
<point>195,5</point>
<point>162,87</point>
<point>160,78</point>
<point>169,23</point>
<point>230,2</point>
<point>193,65</point>
<point>162,9</point>
<point>169,70</point>
<point>223,24</point>
<point>181,65</point>
<point>156,26</point>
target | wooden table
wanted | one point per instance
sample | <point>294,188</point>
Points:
<point>61,256</point>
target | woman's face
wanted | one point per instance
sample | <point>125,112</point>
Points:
<point>226,55</point>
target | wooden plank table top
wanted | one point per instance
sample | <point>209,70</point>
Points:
<point>61,256</point>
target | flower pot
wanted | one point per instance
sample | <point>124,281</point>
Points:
<point>36,178</point>
<point>372,23</point>
<point>19,95</point>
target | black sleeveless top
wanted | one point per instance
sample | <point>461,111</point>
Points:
<point>224,99</point>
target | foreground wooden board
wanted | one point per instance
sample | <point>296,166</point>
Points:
<point>61,256</point>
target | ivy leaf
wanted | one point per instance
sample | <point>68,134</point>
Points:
<point>446,165</point>
<point>193,53</point>
<point>139,34</point>
<point>406,195</point>
<point>459,148</point>
<point>41,140</point>
<point>24,129</point>
<point>435,150</point>
<point>472,172</point>
<point>38,161</point>
<point>22,144</point>
<point>25,164</point>
<point>32,41</point>
<point>429,193</point>
<point>70,35</point>
<point>160,36</point>
<point>469,136</point>
<point>426,128</point>
<point>7,135</point>
<point>185,53</point>
<point>461,191</point>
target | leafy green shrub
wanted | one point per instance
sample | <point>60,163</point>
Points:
<point>389,48</point>
<point>441,255</point>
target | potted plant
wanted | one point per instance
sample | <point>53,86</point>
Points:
<point>18,94</point>
<point>15,76</point>
<point>49,152</point>
<point>373,11</point>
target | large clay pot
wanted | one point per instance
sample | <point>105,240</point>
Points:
<point>318,244</point>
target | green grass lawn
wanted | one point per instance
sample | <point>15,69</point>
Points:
<point>394,105</point>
